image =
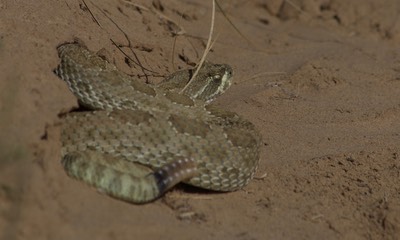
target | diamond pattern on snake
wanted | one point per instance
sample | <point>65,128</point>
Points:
<point>136,141</point>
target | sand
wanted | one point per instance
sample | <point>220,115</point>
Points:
<point>321,84</point>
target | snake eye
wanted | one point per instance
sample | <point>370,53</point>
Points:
<point>217,78</point>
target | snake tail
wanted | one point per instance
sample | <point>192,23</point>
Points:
<point>126,184</point>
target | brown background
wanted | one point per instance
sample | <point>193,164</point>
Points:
<point>321,84</point>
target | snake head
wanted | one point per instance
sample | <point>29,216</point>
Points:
<point>211,81</point>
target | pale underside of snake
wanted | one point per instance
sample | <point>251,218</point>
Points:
<point>135,140</point>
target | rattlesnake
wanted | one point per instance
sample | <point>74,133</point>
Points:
<point>137,140</point>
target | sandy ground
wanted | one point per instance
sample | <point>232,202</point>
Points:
<point>321,84</point>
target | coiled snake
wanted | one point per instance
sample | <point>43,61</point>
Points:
<point>137,140</point>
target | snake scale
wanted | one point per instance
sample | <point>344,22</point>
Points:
<point>135,141</point>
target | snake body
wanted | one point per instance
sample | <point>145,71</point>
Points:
<point>137,140</point>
